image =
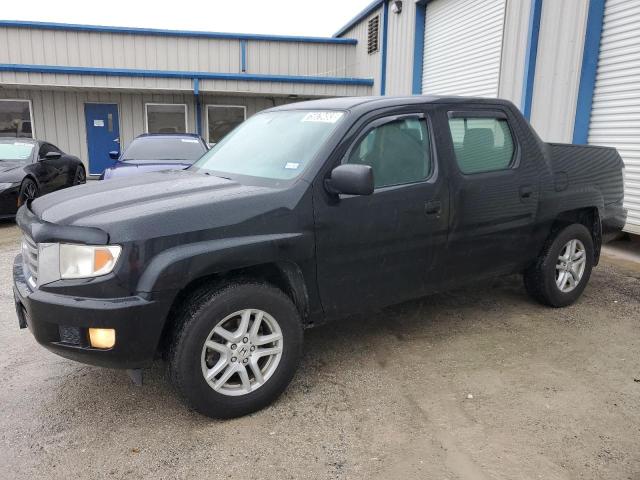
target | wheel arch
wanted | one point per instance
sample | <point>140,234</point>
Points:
<point>286,276</point>
<point>587,216</point>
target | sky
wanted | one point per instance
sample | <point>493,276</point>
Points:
<point>282,17</point>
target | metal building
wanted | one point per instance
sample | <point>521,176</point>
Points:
<point>90,89</point>
<point>571,66</point>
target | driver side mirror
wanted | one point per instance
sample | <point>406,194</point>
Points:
<point>52,156</point>
<point>351,179</point>
<point>114,155</point>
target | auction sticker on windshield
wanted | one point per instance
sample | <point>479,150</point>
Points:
<point>323,117</point>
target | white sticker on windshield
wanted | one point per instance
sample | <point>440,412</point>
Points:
<point>189,140</point>
<point>323,117</point>
<point>292,165</point>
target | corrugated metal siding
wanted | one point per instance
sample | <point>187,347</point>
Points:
<point>514,50</point>
<point>363,64</point>
<point>463,45</point>
<point>94,49</point>
<point>153,52</point>
<point>58,115</point>
<point>558,67</point>
<point>400,50</point>
<point>615,116</point>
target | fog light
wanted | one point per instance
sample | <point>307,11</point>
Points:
<point>102,337</point>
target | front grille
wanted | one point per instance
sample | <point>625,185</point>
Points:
<point>30,259</point>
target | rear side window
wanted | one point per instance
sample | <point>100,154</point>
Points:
<point>398,152</point>
<point>481,144</point>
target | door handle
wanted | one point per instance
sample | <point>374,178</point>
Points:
<point>526,191</point>
<point>433,208</point>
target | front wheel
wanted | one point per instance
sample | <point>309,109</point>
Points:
<point>562,270</point>
<point>28,191</point>
<point>236,349</point>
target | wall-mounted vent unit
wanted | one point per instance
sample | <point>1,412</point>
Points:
<point>373,27</point>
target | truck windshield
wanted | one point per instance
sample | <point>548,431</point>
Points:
<point>272,145</point>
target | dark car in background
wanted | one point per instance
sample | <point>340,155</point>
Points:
<point>30,168</point>
<point>152,152</point>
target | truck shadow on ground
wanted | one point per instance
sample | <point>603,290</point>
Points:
<point>86,391</point>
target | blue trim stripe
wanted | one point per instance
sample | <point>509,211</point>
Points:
<point>590,56</point>
<point>243,56</point>
<point>418,47</point>
<point>531,58</point>
<point>126,72</point>
<point>171,33</point>
<point>368,10</point>
<point>383,58</point>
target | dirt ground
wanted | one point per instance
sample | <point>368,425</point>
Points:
<point>480,383</point>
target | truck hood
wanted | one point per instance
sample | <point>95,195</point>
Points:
<point>155,204</point>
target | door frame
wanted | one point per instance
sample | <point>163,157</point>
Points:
<point>86,133</point>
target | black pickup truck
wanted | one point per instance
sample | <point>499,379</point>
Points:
<point>303,214</point>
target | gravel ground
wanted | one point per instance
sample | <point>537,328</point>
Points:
<point>480,383</point>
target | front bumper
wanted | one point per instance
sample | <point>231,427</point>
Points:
<point>60,323</point>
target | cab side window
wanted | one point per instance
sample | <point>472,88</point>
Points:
<point>398,152</point>
<point>481,144</point>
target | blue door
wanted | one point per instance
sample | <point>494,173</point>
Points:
<point>103,134</point>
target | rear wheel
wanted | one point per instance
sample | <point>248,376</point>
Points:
<point>236,349</point>
<point>28,191</point>
<point>562,270</point>
<point>80,176</point>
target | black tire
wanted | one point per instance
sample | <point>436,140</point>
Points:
<point>28,191</point>
<point>200,314</point>
<point>80,176</point>
<point>540,278</point>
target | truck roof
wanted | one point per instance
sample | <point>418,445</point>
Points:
<point>372,103</point>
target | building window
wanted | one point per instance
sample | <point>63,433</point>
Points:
<point>15,118</point>
<point>221,119</point>
<point>481,144</point>
<point>373,34</point>
<point>166,118</point>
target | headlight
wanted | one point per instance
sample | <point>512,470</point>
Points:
<point>65,260</point>
<point>83,261</point>
<point>4,186</point>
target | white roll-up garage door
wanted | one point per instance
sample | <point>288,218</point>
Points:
<point>463,47</point>
<point>615,116</point>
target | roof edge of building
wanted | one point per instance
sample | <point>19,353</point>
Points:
<point>173,33</point>
<point>365,12</point>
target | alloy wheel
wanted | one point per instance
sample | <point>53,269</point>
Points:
<point>80,177</point>
<point>570,265</point>
<point>242,352</point>
<point>28,192</point>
